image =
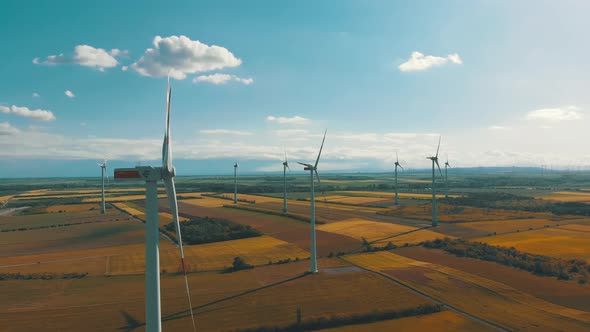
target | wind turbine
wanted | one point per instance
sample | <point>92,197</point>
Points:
<point>397,164</point>
<point>152,175</point>
<point>285,166</point>
<point>435,161</point>
<point>447,165</point>
<point>103,171</point>
<point>236,183</point>
<point>314,169</point>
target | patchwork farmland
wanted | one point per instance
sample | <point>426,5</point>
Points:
<point>74,268</point>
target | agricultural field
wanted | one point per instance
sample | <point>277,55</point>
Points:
<point>456,214</point>
<point>565,196</point>
<point>559,242</point>
<point>445,321</point>
<point>491,301</point>
<point>54,230</point>
<point>212,256</point>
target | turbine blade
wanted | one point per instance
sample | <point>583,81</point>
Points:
<point>166,150</point>
<point>437,165</point>
<point>307,165</point>
<point>396,158</point>
<point>173,205</point>
<point>321,147</point>
<point>317,175</point>
<point>400,166</point>
<point>438,146</point>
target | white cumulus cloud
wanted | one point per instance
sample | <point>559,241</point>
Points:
<point>7,130</point>
<point>419,61</point>
<point>222,79</point>
<point>37,115</point>
<point>284,120</point>
<point>179,56</point>
<point>69,93</point>
<point>556,114</point>
<point>36,95</point>
<point>85,55</point>
<point>224,132</point>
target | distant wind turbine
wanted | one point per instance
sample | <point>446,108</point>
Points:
<point>314,169</point>
<point>397,164</point>
<point>447,165</point>
<point>285,167</point>
<point>152,257</point>
<point>435,161</point>
<point>103,171</point>
<point>236,183</point>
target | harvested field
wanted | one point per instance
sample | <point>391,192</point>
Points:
<point>286,229</point>
<point>207,202</point>
<point>453,214</point>
<point>484,298</point>
<point>72,208</point>
<point>358,200</point>
<point>369,230</point>
<point>565,293</point>
<point>567,196</point>
<point>267,295</point>
<point>412,237</point>
<point>555,242</point>
<point>49,219</point>
<point>444,321</point>
<point>389,194</point>
<point>212,256</point>
<point>76,237</point>
<point>508,226</point>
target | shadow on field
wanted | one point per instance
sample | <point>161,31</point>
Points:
<point>186,313</point>
<point>132,323</point>
<point>400,234</point>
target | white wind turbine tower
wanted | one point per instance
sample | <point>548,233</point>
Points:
<point>103,171</point>
<point>435,161</point>
<point>236,183</point>
<point>314,169</point>
<point>397,164</point>
<point>152,175</point>
<point>285,167</point>
<point>447,165</point>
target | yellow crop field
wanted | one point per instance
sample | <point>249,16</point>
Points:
<point>128,209</point>
<point>213,256</point>
<point>444,321</point>
<point>449,213</point>
<point>388,194</point>
<point>567,196</point>
<point>72,208</point>
<point>361,228</point>
<point>207,202</point>
<point>559,242</point>
<point>510,225</point>
<point>484,298</point>
<point>413,237</point>
<point>357,200</point>
<point>21,198</point>
<point>577,227</point>
<point>256,198</point>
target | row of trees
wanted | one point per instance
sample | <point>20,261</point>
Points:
<point>564,269</point>
<point>42,276</point>
<point>343,320</point>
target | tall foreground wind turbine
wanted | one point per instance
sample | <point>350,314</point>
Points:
<point>314,169</point>
<point>236,183</point>
<point>397,164</point>
<point>103,171</point>
<point>285,166</point>
<point>447,165</point>
<point>434,161</point>
<point>152,175</point>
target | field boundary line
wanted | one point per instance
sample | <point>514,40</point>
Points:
<point>426,296</point>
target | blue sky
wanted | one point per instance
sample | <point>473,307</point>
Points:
<point>503,82</point>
